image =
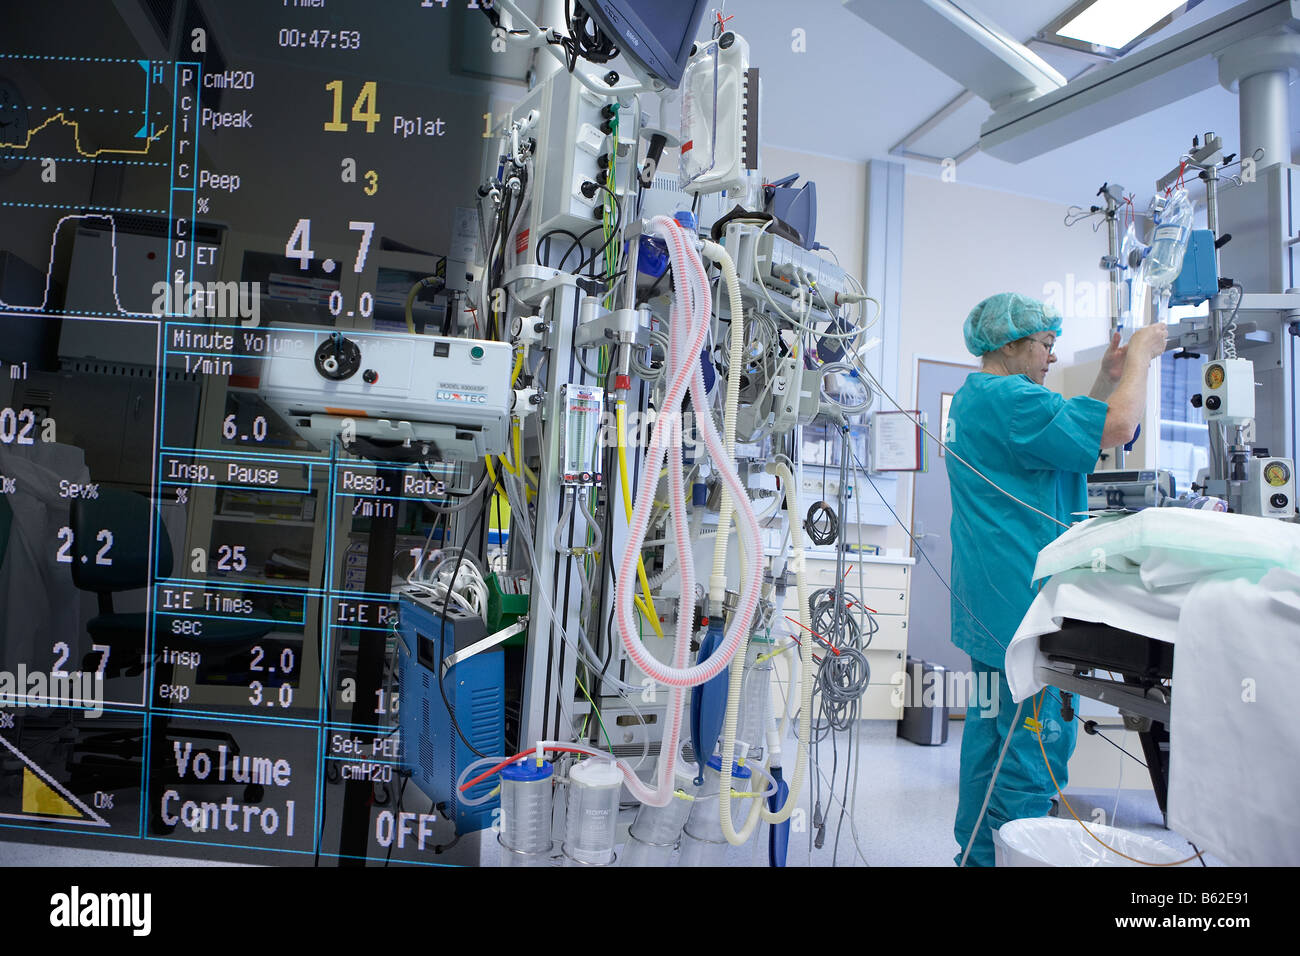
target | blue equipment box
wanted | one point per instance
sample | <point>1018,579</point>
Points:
<point>431,749</point>
<point>1199,280</point>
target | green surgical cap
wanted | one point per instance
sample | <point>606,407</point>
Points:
<point>1006,317</point>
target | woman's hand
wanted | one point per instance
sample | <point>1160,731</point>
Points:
<point>1112,368</point>
<point>1150,341</point>
<point>1128,401</point>
<point>1112,363</point>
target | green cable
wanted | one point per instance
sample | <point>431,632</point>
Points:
<point>585,721</point>
<point>596,709</point>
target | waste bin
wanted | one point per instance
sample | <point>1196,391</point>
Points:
<point>925,707</point>
<point>1044,841</point>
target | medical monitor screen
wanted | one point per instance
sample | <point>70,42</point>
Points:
<point>198,644</point>
<point>672,23</point>
<point>656,34</point>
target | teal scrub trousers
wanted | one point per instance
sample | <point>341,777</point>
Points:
<point>1023,788</point>
<point>1039,447</point>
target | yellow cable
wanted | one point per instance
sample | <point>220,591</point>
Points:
<point>410,305</point>
<point>515,437</point>
<point>515,441</point>
<point>646,602</point>
<point>409,308</point>
<point>1066,802</point>
<point>764,658</point>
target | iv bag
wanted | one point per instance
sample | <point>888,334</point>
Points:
<point>715,114</point>
<point>1169,242</point>
<point>700,93</point>
<point>1134,281</point>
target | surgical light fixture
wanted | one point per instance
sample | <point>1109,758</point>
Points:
<point>1112,27</point>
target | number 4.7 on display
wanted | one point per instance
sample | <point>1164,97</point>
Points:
<point>299,244</point>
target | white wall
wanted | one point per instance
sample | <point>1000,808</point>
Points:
<point>962,243</point>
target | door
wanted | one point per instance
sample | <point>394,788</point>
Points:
<point>929,633</point>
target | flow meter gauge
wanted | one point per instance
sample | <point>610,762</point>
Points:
<point>1229,391</point>
<point>580,423</point>
<point>1269,490</point>
<point>1277,474</point>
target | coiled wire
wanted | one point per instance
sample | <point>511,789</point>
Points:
<point>844,672</point>
<point>650,370</point>
<point>822,523</point>
<point>842,679</point>
<point>1228,337</point>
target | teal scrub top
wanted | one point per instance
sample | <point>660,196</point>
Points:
<point>1036,445</point>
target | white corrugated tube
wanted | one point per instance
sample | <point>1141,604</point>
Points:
<point>718,578</point>
<point>757,809</point>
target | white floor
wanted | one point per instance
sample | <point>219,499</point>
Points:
<point>906,801</point>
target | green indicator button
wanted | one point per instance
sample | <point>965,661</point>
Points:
<point>476,352</point>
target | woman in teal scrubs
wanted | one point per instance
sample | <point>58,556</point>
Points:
<point>1039,447</point>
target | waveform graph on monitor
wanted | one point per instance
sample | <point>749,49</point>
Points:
<point>97,167</point>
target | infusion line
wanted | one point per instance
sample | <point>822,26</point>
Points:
<point>1039,733</point>
<point>1048,690</point>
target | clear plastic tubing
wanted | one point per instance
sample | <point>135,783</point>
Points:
<point>526,806</point>
<point>754,705</point>
<point>592,822</point>
<point>656,831</point>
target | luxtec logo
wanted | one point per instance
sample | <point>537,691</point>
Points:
<point>77,909</point>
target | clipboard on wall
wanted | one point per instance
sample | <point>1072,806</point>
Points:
<point>896,442</point>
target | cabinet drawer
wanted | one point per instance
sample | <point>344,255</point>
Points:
<point>880,575</point>
<point>878,703</point>
<point>891,633</point>
<point>891,629</point>
<point>886,666</point>
<point>882,601</point>
<point>824,573</point>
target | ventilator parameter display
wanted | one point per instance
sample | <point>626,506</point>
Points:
<point>195,198</point>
